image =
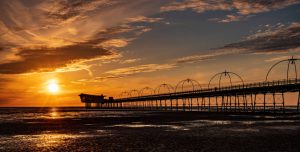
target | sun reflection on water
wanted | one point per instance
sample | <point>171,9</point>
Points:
<point>47,140</point>
<point>54,114</point>
<point>51,140</point>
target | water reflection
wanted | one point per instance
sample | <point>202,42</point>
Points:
<point>46,140</point>
<point>243,129</point>
<point>24,114</point>
<point>172,127</point>
<point>54,114</point>
<point>178,125</point>
<point>51,140</point>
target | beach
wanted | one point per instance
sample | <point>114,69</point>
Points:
<point>78,129</point>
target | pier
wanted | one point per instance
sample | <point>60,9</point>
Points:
<point>264,96</point>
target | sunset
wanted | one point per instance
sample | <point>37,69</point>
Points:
<point>172,69</point>
<point>53,86</point>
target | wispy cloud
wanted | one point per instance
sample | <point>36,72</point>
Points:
<point>61,33</point>
<point>239,9</point>
<point>143,19</point>
<point>130,61</point>
<point>278,40</point>
<point>201,57</point>
<point>123,72</point>
<point>280,58</point>
<point>230,18</point>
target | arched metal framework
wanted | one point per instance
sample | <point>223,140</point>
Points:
<point>291,61</point>
<point>233,98</point>
<point>194,84</point>
<point>169,87</point>
<point>225,74</point>
<point>132,92</point>
<point>124,94</point>
<point>142,91</point>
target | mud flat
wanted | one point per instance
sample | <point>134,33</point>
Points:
<point>96,130</point>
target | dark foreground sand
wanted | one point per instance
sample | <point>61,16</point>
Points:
<point>149,131</point>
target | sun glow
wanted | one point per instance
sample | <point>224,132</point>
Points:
<point>53,86</point>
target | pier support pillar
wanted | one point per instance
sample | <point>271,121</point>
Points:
<point>166,108</point>
<point>222,104</point>
<point>264,102</point>
<point>87,105</point>
<point>217,106</point>
<point>235,103</point>
<point>298,102</point>
<point>238,103</point>
<point>283,102</point>
<point>202,104</point>
<point>254,106</point>
<point>209,104</point>
<point>198,104</point>
<point>160,105</point>
<point>191,104</point>
<point>245,103</point>
<point>176,104</point>
<point>171,104</point>
<point>230,106</point>
<point>274,103</point>
<point>183,104</point>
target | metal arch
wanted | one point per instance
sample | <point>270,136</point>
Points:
<point>193,82</point>
<point>290,61</point>
<point>238,77</point>
<point>168,86</point>
<point>126,94</point>
<point>147,88</point>
<point>134,90</point>
<point>213,78</point>
<point>225,73</point>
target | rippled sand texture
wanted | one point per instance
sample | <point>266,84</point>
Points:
<point>76,129</point>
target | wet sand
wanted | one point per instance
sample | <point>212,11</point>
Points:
<point>81,130</point>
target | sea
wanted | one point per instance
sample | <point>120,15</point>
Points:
<point>80,129</point>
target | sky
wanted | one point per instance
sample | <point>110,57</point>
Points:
<point>53,50</point>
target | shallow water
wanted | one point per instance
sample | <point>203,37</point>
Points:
<point>78,129</point>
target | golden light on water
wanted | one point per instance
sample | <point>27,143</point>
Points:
<point>53,114</point>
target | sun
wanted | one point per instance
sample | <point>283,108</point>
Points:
<point>53,86</point>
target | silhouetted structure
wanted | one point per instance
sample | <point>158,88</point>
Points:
<point>242,97</point>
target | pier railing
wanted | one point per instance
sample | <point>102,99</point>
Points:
<point>291,85</point>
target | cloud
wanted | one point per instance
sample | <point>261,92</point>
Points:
<point>130,61</point>
<point>280,58</point>
<point>198,58</point>
<point>241,8</point>
<point>143,19</point>
<point>122,72</point>
<point>48,59</point>
<point>198,6</point>
<point>114,43</point>
<point>59,35</point>
<point>245,7</point>
<point>278,40</point>
<point>230,18</point>
<point>68,9</point>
